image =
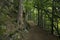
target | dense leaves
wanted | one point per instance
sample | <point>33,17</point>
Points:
<point>44,13</point>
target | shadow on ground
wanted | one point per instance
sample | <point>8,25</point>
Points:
<point>36,33</point>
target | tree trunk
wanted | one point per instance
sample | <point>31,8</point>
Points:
<point>38,18</point>
<point>53,11</point>
<point>20,24</point>
<point>20,15</point>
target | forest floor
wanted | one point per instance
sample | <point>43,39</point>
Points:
<point>37,33</point>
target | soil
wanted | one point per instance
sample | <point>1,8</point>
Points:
<point>37,33</point>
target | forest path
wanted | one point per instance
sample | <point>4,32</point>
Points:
<point>36,33</point>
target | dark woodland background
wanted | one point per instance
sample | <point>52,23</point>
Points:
<point>29,19</point>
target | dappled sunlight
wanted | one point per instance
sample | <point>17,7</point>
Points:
<point>29,19</point>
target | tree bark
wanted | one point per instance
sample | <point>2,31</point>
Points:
<point>20,23</point>
<point>20,15</point>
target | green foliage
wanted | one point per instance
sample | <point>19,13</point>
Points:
<point>2,29</point>
<point>33,9</point>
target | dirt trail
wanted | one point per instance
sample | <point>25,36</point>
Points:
<point>38,34</point>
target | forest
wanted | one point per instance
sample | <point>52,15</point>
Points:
<point>29,19</point>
